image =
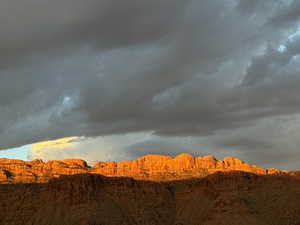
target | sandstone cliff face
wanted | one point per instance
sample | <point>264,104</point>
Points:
<point>37,171</point>
<point>195,191</point>
<point>184,165</point>
<point>149,167</point>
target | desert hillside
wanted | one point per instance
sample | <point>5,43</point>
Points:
<point>231,198</point>
<point>152,190</point>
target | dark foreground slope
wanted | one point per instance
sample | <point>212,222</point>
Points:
<point>231,198</point>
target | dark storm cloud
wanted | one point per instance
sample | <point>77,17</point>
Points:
<point>175,68</point>
<point>288,14</point>
<point>271,143</point>
<point>33,25</point>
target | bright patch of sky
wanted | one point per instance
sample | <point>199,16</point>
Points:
<point>282,48</point>
<point>16,153</point>
<point>291,37</point>
<point>294,35</point>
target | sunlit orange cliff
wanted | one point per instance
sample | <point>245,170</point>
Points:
<point>148,167</point>
<point>152,190</point>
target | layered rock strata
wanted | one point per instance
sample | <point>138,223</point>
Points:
<point>148,167</point>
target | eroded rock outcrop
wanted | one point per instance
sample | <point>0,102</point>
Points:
<point>182,165</point>
<point>148,167</point>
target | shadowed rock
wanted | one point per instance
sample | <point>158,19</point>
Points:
<point>231,198</point>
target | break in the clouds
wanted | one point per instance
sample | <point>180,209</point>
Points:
<point>212,71</point>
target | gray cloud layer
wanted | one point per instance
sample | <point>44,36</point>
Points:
<point>177,68</point>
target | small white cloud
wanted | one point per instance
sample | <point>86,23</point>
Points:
<point>282,48</point>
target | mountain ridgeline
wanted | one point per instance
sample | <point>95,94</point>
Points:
<point>152,190</point>
<point>148,167</point>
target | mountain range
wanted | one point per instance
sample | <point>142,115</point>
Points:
<point>152,190</point>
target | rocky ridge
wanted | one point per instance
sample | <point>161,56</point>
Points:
<point>148,167</point>
<point>222,198</point>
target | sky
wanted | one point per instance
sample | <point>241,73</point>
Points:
<point>114,80</point>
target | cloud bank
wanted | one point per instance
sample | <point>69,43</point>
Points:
<point>175,69</point>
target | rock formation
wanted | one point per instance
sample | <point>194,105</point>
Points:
<point>231,198</point>
<point>148,167</point>
<point>195,191</point>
